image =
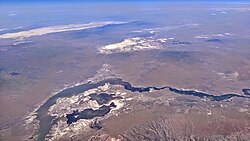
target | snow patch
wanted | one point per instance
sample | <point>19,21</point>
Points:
<point>132,44</point>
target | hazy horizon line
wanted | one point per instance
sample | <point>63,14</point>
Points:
<point>127,1</point>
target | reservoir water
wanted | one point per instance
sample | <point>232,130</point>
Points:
<point>46,121</point>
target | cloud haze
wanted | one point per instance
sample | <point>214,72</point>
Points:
<point>55,29</point>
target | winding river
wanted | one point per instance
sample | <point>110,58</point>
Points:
<point>46,121</point>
